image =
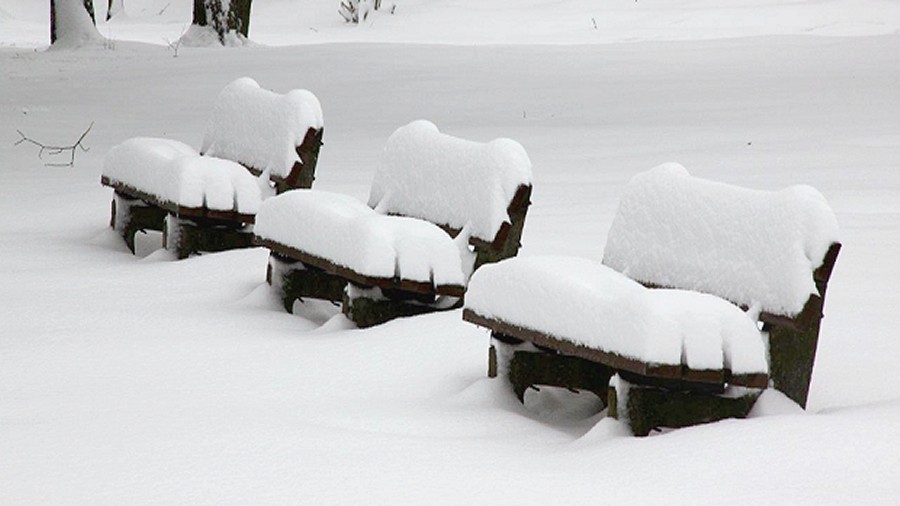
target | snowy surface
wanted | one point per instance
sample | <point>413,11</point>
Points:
<point>136,380</point>
<point>449,181</point>
<point>751,247</point>
<point>260,128</point>
<point>175,173</point>
<point>464,22</point>
<point>345,231</point>
<point>587,303</point>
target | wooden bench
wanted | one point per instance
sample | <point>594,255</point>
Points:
<point>166,186</point>
<point>398,256</point>
<point>674,359</point>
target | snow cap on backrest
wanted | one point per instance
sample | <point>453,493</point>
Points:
<point>747,246</point>
<point>259,128</point>
<point>449,181</point>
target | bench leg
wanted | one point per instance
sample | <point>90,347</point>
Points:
<point>370,306</point>
<point>646,408</point>
<point>297,281</point>
<point>792,356</point>
<point>185,237</point>
<point>529,369</point>
<point>129,216</point>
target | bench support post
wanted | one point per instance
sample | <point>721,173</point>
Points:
<point>367,307</point>
<point>188,236</point>
<point>296,280</point>
<point>647,408</point>
<point>792,349</point>
<point>130,216</point>
<point>527,369</point>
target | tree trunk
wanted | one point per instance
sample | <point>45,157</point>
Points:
<point>88,6</point>
<point>223,16</point>
<point>114,7</point>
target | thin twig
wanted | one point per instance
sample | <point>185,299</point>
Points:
<point>56,150</point>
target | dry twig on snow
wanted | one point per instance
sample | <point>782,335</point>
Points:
<point>55,150</point>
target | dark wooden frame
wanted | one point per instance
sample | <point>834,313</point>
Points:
<point>207,225</point>
<point>403,296</point>
<point>792,341</point>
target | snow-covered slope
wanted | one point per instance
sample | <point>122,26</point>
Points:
<point>136,380</point>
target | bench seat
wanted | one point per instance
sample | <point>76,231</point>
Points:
<point>256,143</point>
<point>587,310</point>
<point>340,234</point>
<point>439,207</point>
<point>171,175</point>
<point>692,271</point>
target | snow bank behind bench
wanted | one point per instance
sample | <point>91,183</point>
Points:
<point>259,128</point>
<point>748,246</point>
<point>449,181</point>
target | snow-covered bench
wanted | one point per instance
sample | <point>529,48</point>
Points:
<point>207,201</point>
<point>398,254</point>
<point>685,257</point>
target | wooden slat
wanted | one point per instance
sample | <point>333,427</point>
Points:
<point>178,210</point>
<point>671,372</point>
<point>355,277</point>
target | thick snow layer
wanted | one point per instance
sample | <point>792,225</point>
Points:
<point>174,172</point>
<point>447,180</point>
<point>587,303</point>
<point>347,232</point>
<point>259,128</point>
<point>748,246</point>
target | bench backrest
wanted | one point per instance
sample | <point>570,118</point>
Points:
<point>455,184</point>
<point>769,251</point>
<point>267,132</point>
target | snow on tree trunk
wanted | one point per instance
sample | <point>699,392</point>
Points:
<point>228,19</point>
<point>114,7</point>
<point>72,23</point>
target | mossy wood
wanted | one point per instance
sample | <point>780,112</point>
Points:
<point>298,281</point>
<point>188,236</point>
<point>133,216</point>
<point>648,408</point>
<point>528,369</point>
<point>367,311</point>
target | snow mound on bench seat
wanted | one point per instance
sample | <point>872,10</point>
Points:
<point>174,172</point>
<point>259,128</point>
<point>587,303</point>
<point>747,246</point>
<point>449,181</point>
<point>350,234</point>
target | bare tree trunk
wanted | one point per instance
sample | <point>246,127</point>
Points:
<point>88,6</point>
<point>223,16</point>
<point>114,7</point>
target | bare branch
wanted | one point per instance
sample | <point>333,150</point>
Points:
<point>57,150</point>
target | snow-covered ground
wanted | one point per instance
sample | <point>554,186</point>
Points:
<point>141,379</point>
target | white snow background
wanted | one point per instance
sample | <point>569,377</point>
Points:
<point>142,380</point>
